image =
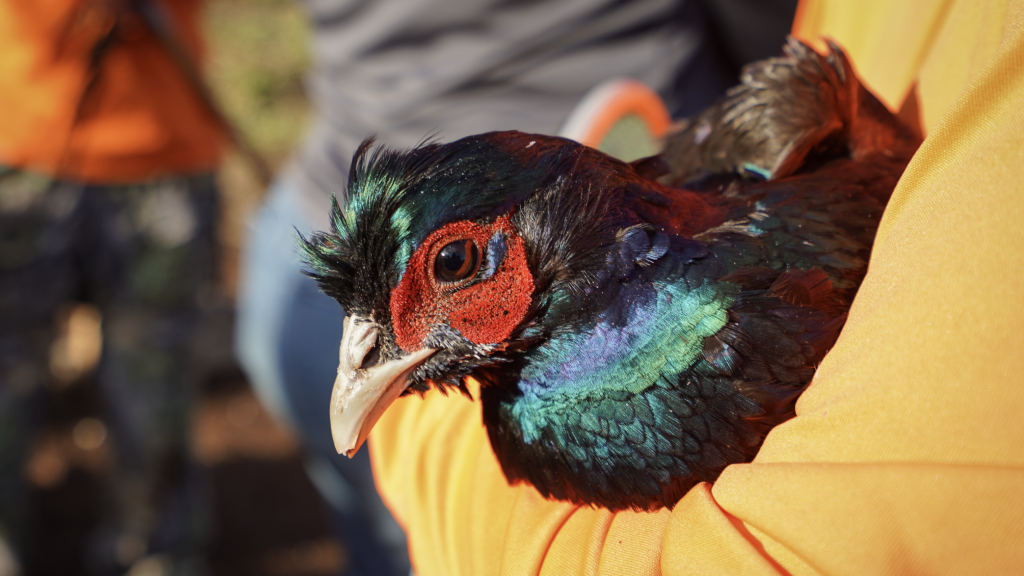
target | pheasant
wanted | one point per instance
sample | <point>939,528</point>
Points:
<point>635,328</point>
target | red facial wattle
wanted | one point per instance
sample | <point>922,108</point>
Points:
<point>484,311</point>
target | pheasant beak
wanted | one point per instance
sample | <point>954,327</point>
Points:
<point>364,389</point>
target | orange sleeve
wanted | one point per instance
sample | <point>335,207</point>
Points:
<point>140,120</point>
<point>907,453</point>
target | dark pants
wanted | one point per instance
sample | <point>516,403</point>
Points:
<point>144,255</point>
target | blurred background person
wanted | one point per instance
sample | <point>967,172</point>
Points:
<point>408,70</point>
<point>107,196</point>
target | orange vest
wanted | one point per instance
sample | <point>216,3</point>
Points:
<point>141,119</point>
<point>907,452</point>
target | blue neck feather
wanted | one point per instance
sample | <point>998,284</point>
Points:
<point>653,332</point>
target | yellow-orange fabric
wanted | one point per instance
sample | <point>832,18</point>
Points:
<point>140,120</point>
<point>907,452</point>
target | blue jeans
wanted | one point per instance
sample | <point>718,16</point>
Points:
<point>287,338</point>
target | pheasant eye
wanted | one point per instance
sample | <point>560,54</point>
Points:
<point>457,261</point>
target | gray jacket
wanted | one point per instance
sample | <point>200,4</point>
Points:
<point>406,70</point>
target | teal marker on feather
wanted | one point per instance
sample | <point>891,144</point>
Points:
<point>636,328</point>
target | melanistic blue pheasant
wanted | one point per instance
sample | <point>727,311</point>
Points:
<point>636,328</point>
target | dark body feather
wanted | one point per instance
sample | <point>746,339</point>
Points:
<point>678,306</point>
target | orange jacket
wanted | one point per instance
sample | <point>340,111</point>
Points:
<point>141,119</point>
<point>907,452</point>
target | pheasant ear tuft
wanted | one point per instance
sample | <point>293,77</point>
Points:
<point>497,248</point>
<point>652,167</point>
